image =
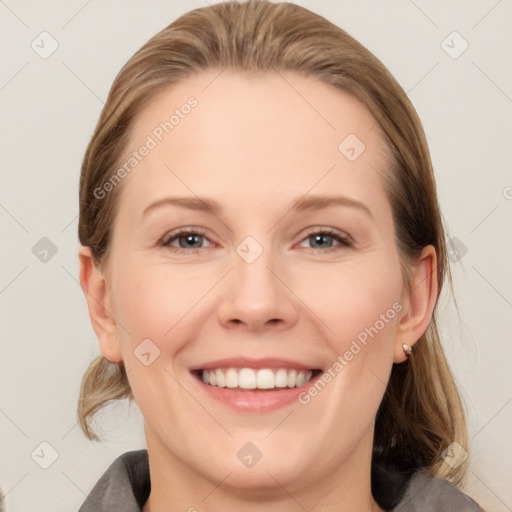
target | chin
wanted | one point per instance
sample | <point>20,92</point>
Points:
<point>266,468</point>
<point>262,478</point>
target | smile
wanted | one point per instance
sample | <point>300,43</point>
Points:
<point>260,378</point>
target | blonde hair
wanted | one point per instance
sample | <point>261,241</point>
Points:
<point>421,413</point>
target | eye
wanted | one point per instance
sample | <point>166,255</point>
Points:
<point>191,240</point>
<point>188,241</point>
<point>325,238</point>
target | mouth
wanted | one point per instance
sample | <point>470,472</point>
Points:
<point>247,385</point>
<point>255,379</point>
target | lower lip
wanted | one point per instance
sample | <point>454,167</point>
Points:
<point>255,400</point>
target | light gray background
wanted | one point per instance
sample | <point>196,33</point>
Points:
<point>49,108</point>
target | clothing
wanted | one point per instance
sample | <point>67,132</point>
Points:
<point>125,487</point>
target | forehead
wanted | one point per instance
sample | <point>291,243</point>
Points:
<point>268,137</point>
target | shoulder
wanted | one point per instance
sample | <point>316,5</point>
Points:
<point>425,492</point>
<point>124,486</point>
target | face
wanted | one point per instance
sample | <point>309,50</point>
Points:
<point>277,279</point>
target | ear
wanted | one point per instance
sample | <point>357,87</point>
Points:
<point>99,303</point>
<point>418,302</point>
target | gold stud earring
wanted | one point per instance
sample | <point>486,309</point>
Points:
<point>407,349</point>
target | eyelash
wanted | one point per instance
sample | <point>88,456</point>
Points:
<point>166,241</point>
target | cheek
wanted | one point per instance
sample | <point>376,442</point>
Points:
<point>150,299</point>
<point>151,305</point>
<point>356,301</point>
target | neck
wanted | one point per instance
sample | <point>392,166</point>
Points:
<point>176,486</point>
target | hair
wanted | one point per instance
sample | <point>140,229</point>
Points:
<point>421,412</point>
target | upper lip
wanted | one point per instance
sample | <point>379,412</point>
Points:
<point>247,362</point>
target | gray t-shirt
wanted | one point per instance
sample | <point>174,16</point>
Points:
<point>125,487</point>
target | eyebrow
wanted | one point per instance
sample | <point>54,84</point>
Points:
<point>305,203</point>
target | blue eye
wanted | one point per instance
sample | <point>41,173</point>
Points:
<point>186,240</point>
<point>318,236</point>
<point>191,241</point>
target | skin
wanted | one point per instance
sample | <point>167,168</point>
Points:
<point>255,144</point>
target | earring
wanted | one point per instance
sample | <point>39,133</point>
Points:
<point>407,349</point>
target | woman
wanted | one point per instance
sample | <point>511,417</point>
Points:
<point>262,254</point>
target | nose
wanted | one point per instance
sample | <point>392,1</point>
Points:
<point>257,296</point>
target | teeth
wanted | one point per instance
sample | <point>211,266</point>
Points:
<point>281,379</point>
<point>247,378</point>
<point>292,376</point>
<point>265,379</point>
<point>231,378</point>
<point>221,380</point>
<point>301,380</point>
